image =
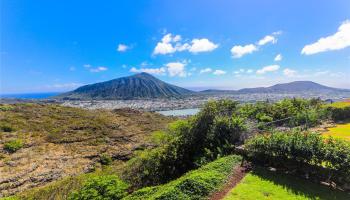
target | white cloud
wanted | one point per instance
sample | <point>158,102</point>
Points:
<point>202,45</point>
<point>206,70</point>
<point>87,65</point>
<point>269,68</point>
<point>339,40</point>
<point>64,86</point>
<point>219,72</point>
<point>278,57</point>
<point>171,44</point>
<point>163,48</point>
<point>249,71</point>
<point>267,39</point>
<point>158,71</point>
<point>321,73</point>
<point>239,51</point>
<point>176,69</point>
<point>122,47</point>
<point>98,69</point>
<point>289,72</point>
<point>72,68</point>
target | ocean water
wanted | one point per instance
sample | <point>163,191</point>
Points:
<point>181,112</point>
<point>30,95</point>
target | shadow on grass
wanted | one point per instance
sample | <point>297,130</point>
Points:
<point>301,186</point>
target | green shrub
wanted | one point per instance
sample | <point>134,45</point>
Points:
<point>339,113</point>
<point>287,112</point>
<point>107,187</point>
<point>196,184</point>
<point>105,159</point>
<point>304,152</point>
<point>209,135</point>
<point>13,145</point>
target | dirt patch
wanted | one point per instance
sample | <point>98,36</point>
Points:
<point>237,175</point>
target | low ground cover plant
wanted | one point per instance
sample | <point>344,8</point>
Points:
<point>13,145</point>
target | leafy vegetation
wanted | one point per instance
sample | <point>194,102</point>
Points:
<point>188,144</point>
<point>306,153</point>
<point>196,184</point>
<point>13,145</point>
<point>108,187</point>
<point>288,112</point>
<point>263,184</point>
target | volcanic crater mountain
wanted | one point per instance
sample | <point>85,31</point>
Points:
<point>138,86</point>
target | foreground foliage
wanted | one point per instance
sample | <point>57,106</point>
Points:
<point>188,144</point>
<point>263,184</point>
<point>108,187</point>
<point>304,153</point>
<point>196,184</point>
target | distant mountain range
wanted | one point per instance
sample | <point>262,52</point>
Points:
<point>146,86</point>
<point>293,87</point>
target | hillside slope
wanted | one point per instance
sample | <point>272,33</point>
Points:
<point>57,141</point>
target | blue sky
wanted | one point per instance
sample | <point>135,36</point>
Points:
<point>59,45</point>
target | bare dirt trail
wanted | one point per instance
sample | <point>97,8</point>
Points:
<point>238,173</point>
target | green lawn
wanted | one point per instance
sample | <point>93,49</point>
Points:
<point>340,104</point>
<point>263,184</point>
<point>340,131</point>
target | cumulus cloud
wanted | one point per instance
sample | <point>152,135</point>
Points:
<point>267,39</point>
<point>278,57</point>
<point>219,72</point>
<point>239,51</point>
<point>339,40</point>
<point>176,69</point>
<point>158,71</point>
<point>270,68</point>
<point>122,47</point>
<point>206,70</point>
<point>171,44</point>
<point>202,45</point>
<point>98,69</point>
<point>289,72</point>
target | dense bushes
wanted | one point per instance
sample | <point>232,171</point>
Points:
<point>295,111</point>
<point>338,113</point>
<point>107,187</point>
<point>196,184</point>
<point>307,153</point>
<point>188,144</point>
<point>13,145</point>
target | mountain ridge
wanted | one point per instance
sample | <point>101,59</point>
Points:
<point>146,86</point>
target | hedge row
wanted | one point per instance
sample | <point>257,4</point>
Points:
<point>305,153</point>
<point>196,184</point>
